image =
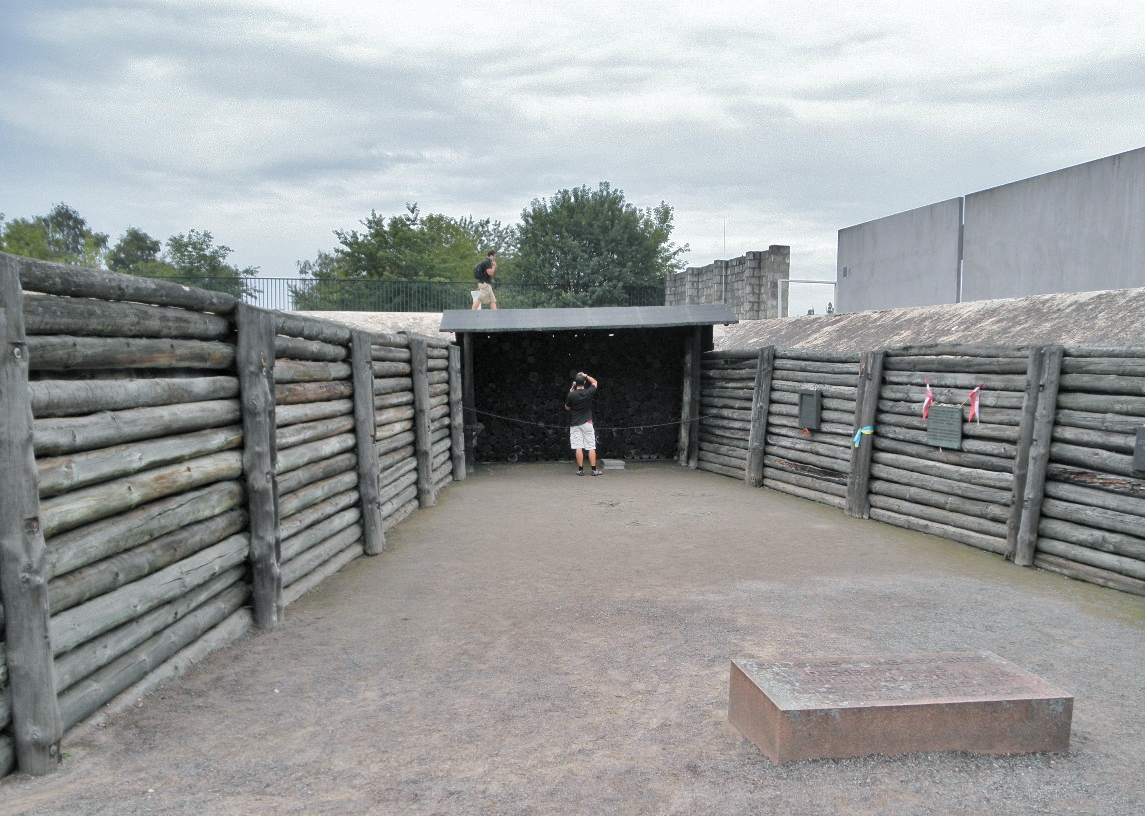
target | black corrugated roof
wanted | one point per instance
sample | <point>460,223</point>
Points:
<point>609,317</point>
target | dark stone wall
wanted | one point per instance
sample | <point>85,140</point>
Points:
<point>526,376</point>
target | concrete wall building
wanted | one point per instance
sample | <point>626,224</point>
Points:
<point>750,284</point>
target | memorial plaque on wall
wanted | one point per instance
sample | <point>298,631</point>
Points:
<point>1139,450</point>
<point>810,409</point>
<point>944,426</point>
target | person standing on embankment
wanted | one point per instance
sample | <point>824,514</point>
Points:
<point>484,272</point>
<point>582,435</point>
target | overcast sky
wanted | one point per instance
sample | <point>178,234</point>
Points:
<point>273,122</point>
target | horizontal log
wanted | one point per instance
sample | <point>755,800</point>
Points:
<point>93,542</point>
<point>946,396</point>
<point>990,382</point>
<point>1105,482</point>
<point>944,501</point>
<point>397,486</point>
<point>728,365</point>
<point>982,447</point>
<point>829,433</point>
<point>61,398</point>
<point>437,365</point>
<point>294,435</point>
<point>1100,350</point>
<point>86,697</point>
<point>439,389</point>
<point>393,443</point>
<point>956,474</point>
<point>399,468</point>
<point>301,587</point>
<point>740,404</point>
<point>389,339</point>
<point>724,436</point>
<point>813,378</point>
<point>77,281</point>
<point>295,348</point>
<point>385,369</point>
<point>721,422</point>
<point>296,393</point>
<point>789,414</point>
<point>957,350</point>
<point>957,365</point>
<point>729,451</point>
<point>316,472</point>
<point>295,371</point>
<point>393,385</point>
<point>1105,440</point>
<point>445,481</point>
<point>295,524</point>
<point>849,370</point>
<point>285,415</point>
<point>995,416</point>
<point>745,393</point>
<point>709,457</point>
<point>1092,458</point>
<point>393,400</point>
<point>439,465</point>
<point>65,352</point>
<point>970,430</point>
<point>401,513</point>
<point>983,542</point>
<point>1129,546</point>
<point>81,623</point>
<point>947,518</point>
<point>1102,559</point>
<point>399,501</point>
<point>817,355</point>
<point>731,354</point>
<point>792,465</point>
<point>438,377</point>
<point>846,406</point>
<point>437,400</point>
<point>436,351</point>
<point>90,504</point>
<point>439,445</point>
<point>439,423</point>
<point>89,317</point>
<point>1099,403</point>
<point>726,413</point>
<point>802,492</point>
<point>827,464</point>
<point>395,414</point>
<point>1101,384</point>
<point>779,445</point>
<point>308,561</point>
<point>394,457</point>
<point>315,493</point>
<point>1091,574</point>
<point>1091,420</point>
<point>929,454</point>
<point>296,457</point>
<point>435,342</point>
<point>111,573</point>
<point>319,533</point>
<point>1101,516</point>
<point>61,474</point>
<point>385,354</point>
<point>728,375</point>
<point>805,482</point>
<point>706,463</point>
<point>56,436</point>
<point>1119,366</point>
<point>779,384</point>
<point>292,324</point>
<point>392,429</point>
<point>82,661</point>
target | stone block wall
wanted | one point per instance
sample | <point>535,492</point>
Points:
<point>750,284</point>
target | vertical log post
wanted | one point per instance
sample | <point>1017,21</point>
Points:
<point>866,407</point>
<point>760,401</point>
<point>36,724</point>
<point>689,442</point>
<point>419,364</point>
<point>254,358</point>
<point>1025,440</point>
<point>1039,456</point>
<point>365,429</point>
<point>468,398</point>
<point>456,416</point>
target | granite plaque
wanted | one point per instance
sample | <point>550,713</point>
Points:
<point>944,426</point>
<point>810,409</point>
<point>854,706</point>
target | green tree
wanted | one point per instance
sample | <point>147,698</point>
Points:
<point>134,252</point>
<point>62,236</point>
<point>593,248</point>
<point>193,258</point>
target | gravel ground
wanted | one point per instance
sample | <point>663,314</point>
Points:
<point>540,643</point>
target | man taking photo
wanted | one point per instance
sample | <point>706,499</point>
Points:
<point>582,435</point>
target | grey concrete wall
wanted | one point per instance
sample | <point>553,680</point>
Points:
<point>909,259</point>
<point>749,284</point>
<point>1079,229</point>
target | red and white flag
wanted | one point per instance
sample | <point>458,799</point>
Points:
<point>929,401</point>
<point>974,397</point>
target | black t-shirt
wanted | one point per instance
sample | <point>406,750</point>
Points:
<point>481,271</point>
<point>580,404</point>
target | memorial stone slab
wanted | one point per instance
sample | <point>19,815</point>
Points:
<point>853,706</point>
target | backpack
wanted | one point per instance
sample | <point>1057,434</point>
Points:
<point>477,271</point>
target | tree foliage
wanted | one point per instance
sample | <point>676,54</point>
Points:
<point>62,236</point>
<point>591,247</point>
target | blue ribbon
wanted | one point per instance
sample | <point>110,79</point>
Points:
<point>870,429</point>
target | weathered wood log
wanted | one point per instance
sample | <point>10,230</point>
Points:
<point>86,697</point>
<point>739,443</point>
<point>35,714</point>
<point>994,496</point>
<point>727,413</point>
<point>399,468</point>
<point>732,354</point>
<point>395,414</point>
<point>86,545</point>
<point>726,451</point>
<point>1093,459</point>
<point>997,416</point>
<point>861,445</point>
<point>777,443</point>
<point>437,378</point>
<point>1103,384</point>
<point>989,382</point>
<point>1090,420</point>
<point>730,375</point>
<point>784,414</point>
<point>436,342</point>
<point>316,493</point>
<point>802,492</point>
<point>807,483</point>
<point>64,353</point>
<point>732,463</point>
<point>400,500</point>
<point>791,398</point>
<point>1088,573</point>
<point>296,457</point>
<point>437,365</point>
<point>440,443</point>
<point>422,442</point>
<point>396,442</point>
<point>744,394</point>
<point>742,404</point>
<point>439,389</point>
<point>319,533</point>
<point>469,398</point>
<point>781,383</point>
<point>308,561</point>
<point>813,471</point>
<point>394,457</point>
<point>385,369</point>
<point>914,395</point>
<point>445,481</point>
<point>293,435</point>
<point>52,437</point>
<point>295,524</point>
<point>76,281</point>
<point>1098,350</point>
<point>1129,548</point>
<point>393,385</point>
<point>1121,366</point>
<point>947,518</point>
<point>60,474</point>
<point>456,415</point>
<point>316,472</point>
<point>384,354</point>
<point>818,356</point>
<point>88,582</point>
<point>295,348</point>
<point>951,473</point>
<point>850,370</point>
<point>401,513</point>
<point>398,486</point>
<point>929,454</point>
<point>365,426</point>
<point>61,398</point>
<point>390,339</point>
<point>393,400</point>
<point>90,504</point>
<point>958,365</point>
<point>81,623</point>
<point>1122,485</point>
<point>829,433</point>
<point>301,587</point>
<point>943,501</point>
<point>292,324</point>
<point>704,462</point>
<point>440,466</point>
<point>1104,440</point>
<point>982,447</point>
<point>1100,517</point>
<point>983,542</point>
<point>294,371</point>
<point>392,429</point>
<point>436,401</point>
<point>734,424</point>
<point>1103,403</point>
<point>970,430</point>
<point>295,393</point>
<point>956,350</point>
<point>688,442</point>
<point>747,364</point>
<point>49,314</point>
<point>98,652</point>
<point>256,365</point>
<point>812,378</point>
<point>285,415</point>
<point>437,351</point>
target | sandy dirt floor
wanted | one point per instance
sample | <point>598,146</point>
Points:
<point>540,643</point>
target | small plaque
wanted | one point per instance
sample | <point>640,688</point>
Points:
<point>1139,450</point>
<point>810,409</point>
<point>944,426</point>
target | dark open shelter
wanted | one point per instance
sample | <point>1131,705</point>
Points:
<point>518,365</point>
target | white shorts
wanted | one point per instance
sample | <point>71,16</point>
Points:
<point>583,437</point>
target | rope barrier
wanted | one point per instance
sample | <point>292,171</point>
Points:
<point>601,428</point>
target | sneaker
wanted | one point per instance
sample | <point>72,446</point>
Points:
<point>580,472</point>
<point>596,471</point>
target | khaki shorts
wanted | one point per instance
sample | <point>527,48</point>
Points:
<point>583,437</point>
<point>485,294</point>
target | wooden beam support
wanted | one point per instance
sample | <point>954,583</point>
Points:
<point>760,400</point>
<point>1025,440</point>
<point>36,724</point>
<point>255,361</point>
<point>422,442</point>
<point>866,407</point>
<point>1039,457</point>
<point>456,415</point>
<point>361,361</point>
<point>689,442</point>
<point>468,398</point>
